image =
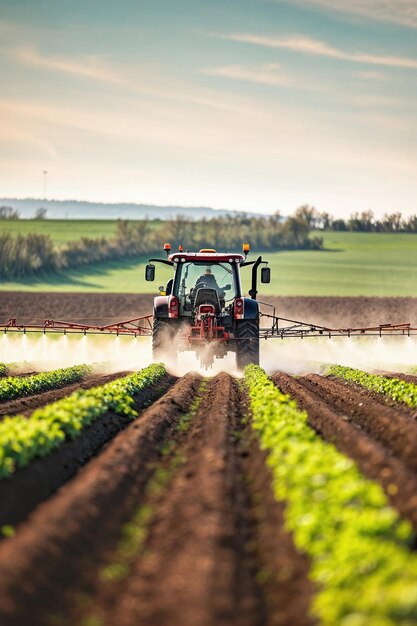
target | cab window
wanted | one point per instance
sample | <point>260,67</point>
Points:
<point>192,276</point>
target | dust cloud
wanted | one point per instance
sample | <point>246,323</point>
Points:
<point>294,356</point>
<point>45,352</point>
<point>299,356</point>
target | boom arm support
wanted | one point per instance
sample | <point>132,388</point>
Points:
<point>293,328</point>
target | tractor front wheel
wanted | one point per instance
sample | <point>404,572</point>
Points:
<point>163,340</point>
<point>247,345</point>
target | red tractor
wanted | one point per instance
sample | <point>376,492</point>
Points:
<point>203,309</point>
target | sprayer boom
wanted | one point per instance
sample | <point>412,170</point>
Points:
<point>140,326</point>
<point>277,328</point>
<point>281,328</point>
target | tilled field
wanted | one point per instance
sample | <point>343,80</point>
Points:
<point>174,518</point>
<point>104,308</point>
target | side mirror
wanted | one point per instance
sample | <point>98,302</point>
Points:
<point>150,272</point>
<point>265,275</point>
<point>227,287</point>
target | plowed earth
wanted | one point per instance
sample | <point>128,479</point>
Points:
<point>215,550</point>
<point>103,308</point>
<point>380,438</point>
<point>171,519</point>
<point>28,404</point>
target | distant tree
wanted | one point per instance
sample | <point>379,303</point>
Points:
<point>410,226</point>
<point>40,214</point>
<point>309,215</point>
<point>339,225</point>
<point>363,222</point>
<point>325,221</point>
<point>8,213</point>
<point>391,223</point>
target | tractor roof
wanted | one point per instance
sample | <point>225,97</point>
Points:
<point>206,256</point>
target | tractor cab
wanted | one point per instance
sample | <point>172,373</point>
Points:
<point>203,309</point>
<point>203,279</point>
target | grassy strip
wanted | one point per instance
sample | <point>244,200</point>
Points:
<point>398,390</point>
<point>358,546</point>
<point>17,387</point>
<point>23,439</point>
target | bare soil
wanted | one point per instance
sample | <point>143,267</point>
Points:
<point>394,427</point>
<point>28,404</point>
<point>89,308</point>
<point>335,424</point>
<point>216,551</point>
<point>408,378</point>
<point>337,311</point>
<point>55,547</point>
<point>29,486</point>
<point>102,308</point>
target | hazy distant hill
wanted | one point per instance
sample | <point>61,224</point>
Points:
<point>75,209</point>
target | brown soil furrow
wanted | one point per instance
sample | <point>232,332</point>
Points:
<point>391,427</point>
<point>190,574</point>
<point>28,404</point>
<point>408,378</point>
<point>29,486</point>
<point>216,531</point>
<point>375,461</point>
<point>380,398</point>
<point>22,374</point>
<point>52,551</point>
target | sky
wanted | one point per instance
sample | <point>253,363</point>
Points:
<point>259,105</point>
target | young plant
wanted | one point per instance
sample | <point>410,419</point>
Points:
<point>17,387</point>
<point>23,439</point>
<point>398,390</point>
<point>364,571</point>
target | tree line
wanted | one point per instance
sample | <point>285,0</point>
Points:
<point>9,213</point>
<point>361,222</point>
<point>34,254</point>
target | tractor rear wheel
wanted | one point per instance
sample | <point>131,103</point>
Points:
<point>163,340</point>
<point>247,346</point>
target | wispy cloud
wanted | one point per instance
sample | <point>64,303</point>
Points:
<point>136,79</point>
<point>307,45</point>
<point>264,73</point>
<point>87,66</point>
<point>403,12</point>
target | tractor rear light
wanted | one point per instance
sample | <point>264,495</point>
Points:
<point>206,308</point>
<point>239,309</point>
<point>173,306</point>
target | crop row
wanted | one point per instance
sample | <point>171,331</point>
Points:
<point>398,390</point>
<point>23,439</point>
<point>16,387</point>
<point>363,570</point>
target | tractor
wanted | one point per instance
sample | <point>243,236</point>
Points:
<point>202,307</point>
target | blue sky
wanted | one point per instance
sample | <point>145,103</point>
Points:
<point>260,105</point>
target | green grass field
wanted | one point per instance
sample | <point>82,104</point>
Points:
<point>352,264</point>
<point>63,231</point>
<point>60,231</point>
